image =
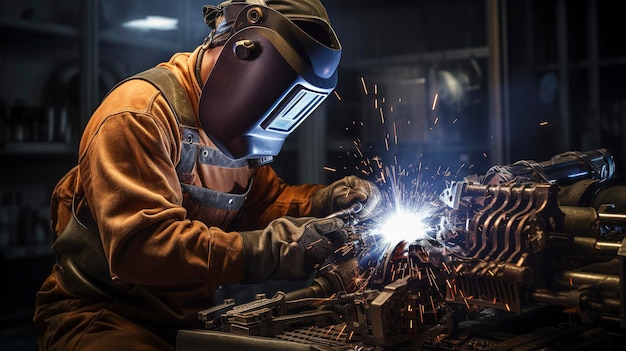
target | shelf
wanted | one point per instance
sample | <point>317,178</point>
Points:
<point>127,39</point>
<point>27,251</point>
<point>39,148</point>
<point>429,57</point>
<point>582,64</point>
<point>37,27</point>
<point>120,38</point>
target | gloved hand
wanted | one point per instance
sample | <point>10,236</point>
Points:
<point>344,192</point>
<point>290,248</point>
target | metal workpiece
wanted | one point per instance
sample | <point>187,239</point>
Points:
<point>532,259</point>
<point>519,238</point>
<point>330,279</point>
<point>602,282</point>
<point>589,247</point>
<point>612,219</point>
<point>563,169</point>
<point>580,221</point>
<point>391,315</point>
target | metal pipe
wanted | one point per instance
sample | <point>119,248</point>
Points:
<point>495,86</point>
<point>576,279</point>
<point>592,133</point>
<point>88,60</point>
<point>568,167</point>
<point>557,299</point>
<point>591,248</point>
<point>607,248</point>
<point>581,221</point>
<point>563,64</point>
<point>563,299</point>
<point>506,84</point>
<point>612,306</point>
<point>612,219</point>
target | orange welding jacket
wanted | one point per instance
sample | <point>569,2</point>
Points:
<point>152,236</point>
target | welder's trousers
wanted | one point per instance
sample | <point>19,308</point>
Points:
<point>80,324</point>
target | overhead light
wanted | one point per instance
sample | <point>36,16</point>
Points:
<point>152,23</point>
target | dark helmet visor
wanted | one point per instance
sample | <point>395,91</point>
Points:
<point>269,77</point>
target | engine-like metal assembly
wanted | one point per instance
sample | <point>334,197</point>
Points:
<point>523,248</point>
<point>535,257</point>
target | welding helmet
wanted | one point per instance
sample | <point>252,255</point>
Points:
<point>278,64</point>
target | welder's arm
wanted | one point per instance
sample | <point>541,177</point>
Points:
<point>271,197</point>
<point>343,193</point>
<point>289,248</point>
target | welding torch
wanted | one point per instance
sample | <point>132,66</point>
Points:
<point>349,215</point>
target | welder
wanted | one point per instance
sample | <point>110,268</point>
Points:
<point>173,194</point>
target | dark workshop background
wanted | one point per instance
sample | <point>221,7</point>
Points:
<point>456,85</point>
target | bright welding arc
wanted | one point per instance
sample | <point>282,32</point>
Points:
<point>405,225</point>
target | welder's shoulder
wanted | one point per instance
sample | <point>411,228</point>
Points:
<point>136,96</point>
<point>133,104</point>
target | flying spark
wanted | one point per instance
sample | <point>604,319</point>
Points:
<point>411,213</point>
<point>435,101</point>
<point>337,95</point>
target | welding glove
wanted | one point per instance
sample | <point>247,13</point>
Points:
<point>290,248</point>
<point>343,193</point>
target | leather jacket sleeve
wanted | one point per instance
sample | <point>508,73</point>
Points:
<point>127,170</point>
<point>271,198</point>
